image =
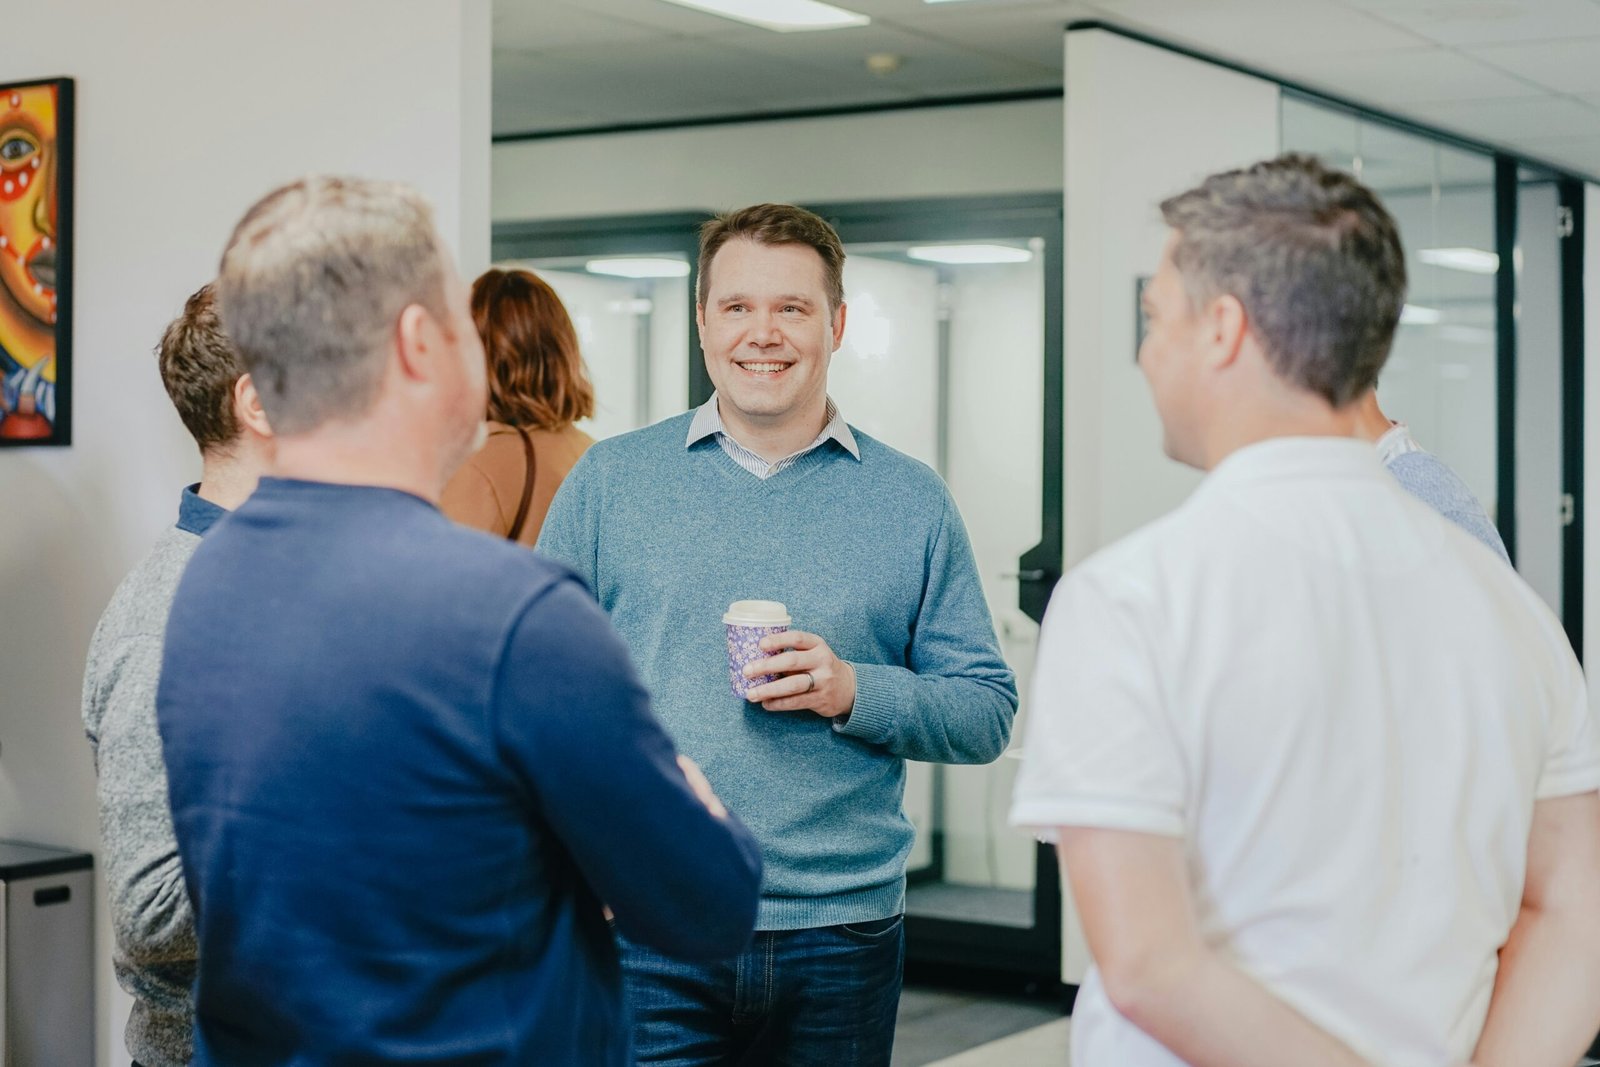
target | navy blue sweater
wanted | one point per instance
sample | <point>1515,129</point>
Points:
<point>407,763</point>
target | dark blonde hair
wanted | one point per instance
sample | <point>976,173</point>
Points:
<point>537,379</point>
<point>775,224</point>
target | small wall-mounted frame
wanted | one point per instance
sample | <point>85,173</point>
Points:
<point>36,141</point>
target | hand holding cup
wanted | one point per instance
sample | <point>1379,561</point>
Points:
<point>809,677</point>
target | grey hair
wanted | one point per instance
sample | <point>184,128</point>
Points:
<point>312,283</point>
<point>1314,258</point>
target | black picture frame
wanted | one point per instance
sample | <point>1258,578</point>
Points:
<point>34,410</point>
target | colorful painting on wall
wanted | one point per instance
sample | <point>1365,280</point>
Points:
<point>36,262</point>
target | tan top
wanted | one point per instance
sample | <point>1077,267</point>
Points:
<point>485,492</point>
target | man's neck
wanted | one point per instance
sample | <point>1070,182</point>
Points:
<point>1308,418</point>
<point>1371,423</point>
<point>228,479</point>
<point>779,437</point>
<point>350,454</point>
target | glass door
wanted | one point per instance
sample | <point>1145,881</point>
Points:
<point>1487,363</point>
<point>952,355</point>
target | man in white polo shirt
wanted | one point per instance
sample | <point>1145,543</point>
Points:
<point>1321,765</point>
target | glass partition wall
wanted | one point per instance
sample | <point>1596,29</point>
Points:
<point>1485,369</point>
<point>952,354</point>
<point>632,314</point>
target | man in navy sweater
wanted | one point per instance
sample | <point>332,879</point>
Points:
<point>408,761</point>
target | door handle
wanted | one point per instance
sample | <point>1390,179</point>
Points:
<point>1025,576</point>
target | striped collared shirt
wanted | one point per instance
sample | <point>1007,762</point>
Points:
<point>1396,443</point>
<point>708,421</point>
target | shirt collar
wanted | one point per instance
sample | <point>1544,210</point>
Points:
<point>1396,442</point>
<point>708,421</point>
<point>196,514</point>
<point>1298,458</point>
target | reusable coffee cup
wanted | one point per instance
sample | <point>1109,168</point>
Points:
<point>748,621</point>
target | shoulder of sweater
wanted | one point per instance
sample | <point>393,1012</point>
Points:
<point>646,445</point>
<point>143,597</point>
<point>887,462</point>
<point>1423,470</point>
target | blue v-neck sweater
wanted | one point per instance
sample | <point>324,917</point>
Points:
<point>871,555</point>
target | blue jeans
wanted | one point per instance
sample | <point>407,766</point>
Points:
<point>824,997</point>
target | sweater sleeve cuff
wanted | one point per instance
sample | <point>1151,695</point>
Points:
<point>877,698</point>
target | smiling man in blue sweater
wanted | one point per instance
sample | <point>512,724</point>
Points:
<point>408,761</point>
<point>766,493</point>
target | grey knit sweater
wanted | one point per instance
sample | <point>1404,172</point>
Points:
<point>155,950</point>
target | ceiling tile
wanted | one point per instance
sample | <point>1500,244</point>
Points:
<point>928,63</point>
<point>1389,79</point>
<point>568,63</point>
<point>1262,27</point>
<point>1482,22</point>
<point>1509,120</point>
<point>1032,35</point>
<point>1570,66</point>
<point>655,80</point>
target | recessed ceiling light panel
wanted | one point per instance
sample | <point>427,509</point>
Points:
<point>1471,260</point>
<point>783,16</point>
<point>1416,315</point>
<point>638,267</point>
<point>968,254</point>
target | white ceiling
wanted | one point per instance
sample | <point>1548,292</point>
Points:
<point>1524,74</point>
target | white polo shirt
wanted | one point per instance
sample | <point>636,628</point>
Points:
<point>1345,707</point>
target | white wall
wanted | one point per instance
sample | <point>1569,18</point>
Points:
<point>1141,124</point>
<point>184,117</point>
<point>987,149</point>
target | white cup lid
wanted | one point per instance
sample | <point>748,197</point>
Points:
<point>756,613</point>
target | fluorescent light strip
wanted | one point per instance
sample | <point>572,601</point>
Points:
<point>969,254</point>
<point>1416,315</point>
<point>638,267</point>
<point>783,16</point>
<point>1471,260</point>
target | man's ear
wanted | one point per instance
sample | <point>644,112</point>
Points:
<point>838,326</point>
<point>247,407</point>
<point>418,340</point>
<point>1225,324</point>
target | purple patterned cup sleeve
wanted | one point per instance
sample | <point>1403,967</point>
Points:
<point>748,621</point>
<point>744,646</point>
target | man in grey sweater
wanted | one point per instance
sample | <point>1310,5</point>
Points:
<point>154,926</point>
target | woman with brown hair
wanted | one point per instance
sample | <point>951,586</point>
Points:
<point>538,388</point>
